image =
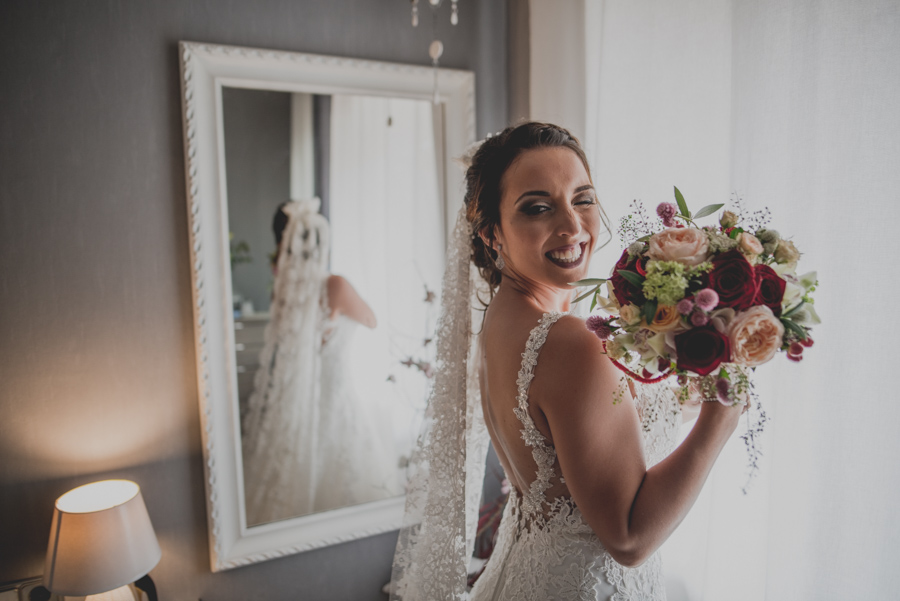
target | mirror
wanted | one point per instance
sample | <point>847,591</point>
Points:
<point>322,461</point>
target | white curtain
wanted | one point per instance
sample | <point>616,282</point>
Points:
<point>387,237</point>
<point>794,104</point>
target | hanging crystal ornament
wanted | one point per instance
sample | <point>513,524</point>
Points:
<point>435,50</point>
<point>435,4</point>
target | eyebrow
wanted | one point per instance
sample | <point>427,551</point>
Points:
<point>545,194</point>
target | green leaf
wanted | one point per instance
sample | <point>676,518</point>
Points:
<point>708,210</point>
<point>644,238</point>
<point>682,206</point>
<point>633,278</point>
<point>588,282</point>
<point>798,330</point>
<point>723,373</point>
<point>587,294</point>
<point>593,303</point>
<point>736,232</point>
<point>649,311</point>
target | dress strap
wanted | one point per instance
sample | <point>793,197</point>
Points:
<point>544,455</point>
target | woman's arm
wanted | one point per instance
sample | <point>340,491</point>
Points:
<point>345,300</point>
<point>632,509</point>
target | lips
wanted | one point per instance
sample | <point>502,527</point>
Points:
<point>567,257</point>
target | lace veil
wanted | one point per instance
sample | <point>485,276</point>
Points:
<point>286,384</point>
<point>447,468</point>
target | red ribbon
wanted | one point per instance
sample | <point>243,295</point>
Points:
<point>634,376</point>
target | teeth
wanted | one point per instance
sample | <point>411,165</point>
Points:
<point>567,256</point>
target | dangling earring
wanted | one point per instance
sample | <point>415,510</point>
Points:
<point>499,262</point>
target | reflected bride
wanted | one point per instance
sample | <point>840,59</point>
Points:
<point>310,443</point>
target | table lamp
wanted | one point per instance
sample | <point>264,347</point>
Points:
<point>101,541</point>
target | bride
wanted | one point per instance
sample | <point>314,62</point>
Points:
<point>310,443</point>
<point>596,486</point>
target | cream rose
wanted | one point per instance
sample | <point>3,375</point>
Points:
<point>755,336</point>
<point>687,245</point>
<point>786,252</point>
<point>749,244</point>
<point>666,318</point>
<point>630,313</point>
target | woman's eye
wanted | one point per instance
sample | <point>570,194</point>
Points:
<point>586,200</point>
<point>536,209</point>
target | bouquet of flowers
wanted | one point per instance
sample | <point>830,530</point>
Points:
<point>706,303</point>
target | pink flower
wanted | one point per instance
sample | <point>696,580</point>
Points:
<point>755,335</point>
<point>687,245</point>
<point>667,212</point>
<point>699,319</point>
<point>723,388</point>
<point>599,326</point>
<point>685,306</point>
<point>707,299</point>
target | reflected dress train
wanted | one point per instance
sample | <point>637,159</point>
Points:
<point>545,549</point>
<point>310,442</point>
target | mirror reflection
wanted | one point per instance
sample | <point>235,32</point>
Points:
<point>332,290</point>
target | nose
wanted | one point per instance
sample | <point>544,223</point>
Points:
<point>568,223</point>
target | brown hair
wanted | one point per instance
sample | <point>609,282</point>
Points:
<point>484,176</point>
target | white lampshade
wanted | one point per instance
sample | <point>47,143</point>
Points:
<point>101,538</point>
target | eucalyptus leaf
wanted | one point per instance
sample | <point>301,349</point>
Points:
<point>587,294</point>
<point>649,311</point>
<point>588,282</point>
<point>798,330</point>
<point>708,210</point>
<point>633,278</point>
<point>644,238</point>
<point>682,206</point>
<point>593,303</point>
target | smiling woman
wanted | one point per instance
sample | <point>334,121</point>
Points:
<point>595,483</point>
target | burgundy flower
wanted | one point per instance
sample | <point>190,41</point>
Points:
<point>771,288</point>
<point>701,350</point>
<point>734,279</point>
<point>599,326</point>
<point>625,291</point>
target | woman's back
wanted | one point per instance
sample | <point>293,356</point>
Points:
<point>545,548</point>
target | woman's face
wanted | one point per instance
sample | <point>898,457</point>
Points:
<point>549,217</point>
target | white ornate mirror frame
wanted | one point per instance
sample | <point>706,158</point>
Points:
<point>205,69</point>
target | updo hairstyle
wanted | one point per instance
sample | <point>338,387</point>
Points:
<point>485,173</point>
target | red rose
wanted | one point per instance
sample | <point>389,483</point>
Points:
<point>625,291</point>
<point>734,279</point>
<point>701,350</point>
<point>771,288</point>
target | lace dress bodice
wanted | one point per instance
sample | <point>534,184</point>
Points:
<point>545,549</point>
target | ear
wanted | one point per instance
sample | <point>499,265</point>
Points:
<point>490,237</point>
<point>487,237</point>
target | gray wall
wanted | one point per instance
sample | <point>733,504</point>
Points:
<point>257,131</point>
<point>97,359</point>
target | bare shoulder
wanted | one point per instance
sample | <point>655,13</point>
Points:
<point>574,363</point>
<point>573,349</point>
<point>338,285</point>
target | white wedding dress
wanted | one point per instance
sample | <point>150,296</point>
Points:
<point>356,458</point>
<point>311,443</point>
<point>545,549</point>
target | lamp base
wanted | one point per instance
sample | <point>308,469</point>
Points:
<point>129,592</point>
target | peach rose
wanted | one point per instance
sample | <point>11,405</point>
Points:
<point>755,335</point>
<point>687,245</point>
<point>749,244</point>
<point>666,318</point>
